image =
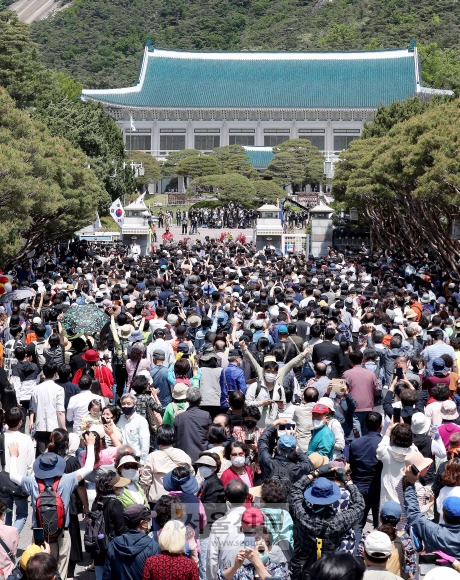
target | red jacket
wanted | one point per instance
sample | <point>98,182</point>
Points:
<point>229,474</point>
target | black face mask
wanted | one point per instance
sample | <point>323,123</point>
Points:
<point>250,424</point>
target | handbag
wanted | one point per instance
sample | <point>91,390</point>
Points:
<point>7,487</point>
<point>105,389</point>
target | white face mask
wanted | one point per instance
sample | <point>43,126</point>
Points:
<point>238,461</point>
<point>317,423</point>
<point>132,474</point>
<point>270,377</point>
<point>205,471</point>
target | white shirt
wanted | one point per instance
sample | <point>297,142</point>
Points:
<point>136,433</point>
<point>78,408</point>
<point>46,402</point>
<point>25,461</point>
<point>156,323</point>
<point>160,344</point>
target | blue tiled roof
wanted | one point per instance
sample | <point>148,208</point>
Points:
<point>291,80</point>
<point>259,157</point>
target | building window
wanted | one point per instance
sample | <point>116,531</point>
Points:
<point>241,140</point>
<point>316,140</point>
<point>207,142</point>
<point>272,140</point>
<point>172,142</point>
<point>342,141</point>
<point>138,141</point>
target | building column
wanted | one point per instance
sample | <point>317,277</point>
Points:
<point>189,138</point>
<point>155,139</point>
<point>259,135</point>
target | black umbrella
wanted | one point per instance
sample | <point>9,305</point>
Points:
<point>87,318</point>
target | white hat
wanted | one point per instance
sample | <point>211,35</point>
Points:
<point>378,545</point>
<point>147,375</point>
<point>420,423</point>
<point>328,402</point>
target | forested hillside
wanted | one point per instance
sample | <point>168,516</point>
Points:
<point>99,42</point>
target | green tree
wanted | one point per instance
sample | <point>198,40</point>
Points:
<point>406,184</point>
<point>233,159</point>
<point>229,187</point>
<point>169,168</point>
<point>51,97</point>
<point>388,116</point>
<point>197,166</point>
<point>286,169</point>
<point>152,168</point>
<point>308,155</point>
<point>21,72</point>
<point>269,190</point>
<point>47,191</point>
<point>441,68</point>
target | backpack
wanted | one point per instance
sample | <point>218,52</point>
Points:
<point>277,527</point>
<point>153,419</point>
<point>95,539</point>
<point>120,354</point>
<point>40,353</point>
<point>396,561</point>
<point>282,473</point>
<point>50,510</point>
<point>9,360</point>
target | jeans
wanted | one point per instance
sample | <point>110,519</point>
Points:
<point>361,415</point>
<point>42,438</point>
<point>99,572</point>
<point>22,508</point>
<point>204,551</point>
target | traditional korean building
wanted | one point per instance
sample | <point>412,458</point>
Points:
<point>202,100</point>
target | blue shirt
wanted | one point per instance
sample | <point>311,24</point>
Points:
<point>365,467</point>
<point>231,379</point>
<point>160,381</point>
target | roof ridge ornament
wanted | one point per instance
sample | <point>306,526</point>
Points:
<point>149,45</point>
<point>412,45</point>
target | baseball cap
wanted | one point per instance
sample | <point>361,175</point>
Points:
<point>287,443</point>
<point>158,354</point>
<point>391,512</point>
<point>252,517</point>
<point>282,329</point>
<point>451,507</point>
<point>378,545</point>
<point>135,513</point>
<point>320,409</point>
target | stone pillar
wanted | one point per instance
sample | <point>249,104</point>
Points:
<point>321,229</point>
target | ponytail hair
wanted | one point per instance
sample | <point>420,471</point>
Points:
<point>59,442</point>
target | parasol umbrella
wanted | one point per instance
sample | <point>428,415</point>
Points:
<point>84,319</point>
<point>20,294</point>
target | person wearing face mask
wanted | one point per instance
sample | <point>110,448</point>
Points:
<point>212,496</point>
<point>109,487</point>
<point>134,427</point>
<point>268,391</point>
<point>128,468</point>
<point>322,439</point>
<point>127,553</point>
<point>238,454</point>
<point>249,433</point>
<point>253,557</point>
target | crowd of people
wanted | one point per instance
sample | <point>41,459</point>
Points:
<point>192,219</point>
<point>218,412</point>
